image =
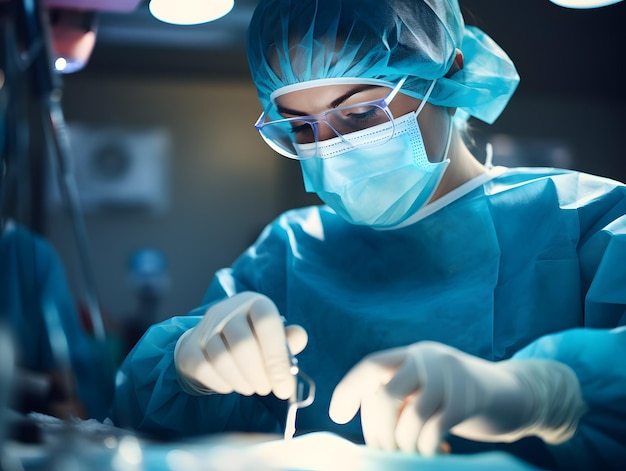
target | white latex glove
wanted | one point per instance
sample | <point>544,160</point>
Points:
<point>240,345</point>
<point>410,397</point>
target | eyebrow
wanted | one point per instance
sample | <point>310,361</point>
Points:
<point>334,104</point>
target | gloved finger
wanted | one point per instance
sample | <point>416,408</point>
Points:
<point>364,378</point>
<point>414,434</point>
<point>267,325</point>
<point>431,435</point>
<point>246,354</point>
<point>197,366</point>
<point>409,376</point>
<point>217,316</point>
<point>296,337</point>
<point>379,413</point>
<point>426,383</point>
<point>208,377</point>
<point>408,426</point>
<point>220,358</point>
<point>456,405</point>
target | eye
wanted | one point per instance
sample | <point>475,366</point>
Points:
<point>357,117</point>
<point>295,129</point>
<point>302,133</point>
<point>362,113</point>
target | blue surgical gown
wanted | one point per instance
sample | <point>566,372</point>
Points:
<point>32,275</point>
<point>531,263</point>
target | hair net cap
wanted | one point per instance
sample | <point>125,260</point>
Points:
<point>293,41</point>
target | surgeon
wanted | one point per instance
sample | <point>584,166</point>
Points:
<point>434,300</point>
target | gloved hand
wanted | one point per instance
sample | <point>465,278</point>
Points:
<point>410,397</point>
<point>239,345</point>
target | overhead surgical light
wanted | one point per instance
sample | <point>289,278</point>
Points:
<point>189,12</point>
<point>584,3</point>
<point>73,38</point>
<point>73,28</point>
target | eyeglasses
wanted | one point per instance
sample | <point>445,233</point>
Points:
<point>298,137</point>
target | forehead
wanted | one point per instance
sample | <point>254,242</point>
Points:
<point>312,100</point>
<point>321,92</point>
<point>315,84</point>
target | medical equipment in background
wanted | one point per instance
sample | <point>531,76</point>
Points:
<point>33,33</point>
<point>147,276</point>
<point>118,168</point>
<point>73,28</point>
<point>73,38</point>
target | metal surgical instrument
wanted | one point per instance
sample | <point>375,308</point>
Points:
<point>303,395</point>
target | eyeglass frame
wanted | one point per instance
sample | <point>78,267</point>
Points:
<point>314,120</point>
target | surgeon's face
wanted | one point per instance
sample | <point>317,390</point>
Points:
<point>434,121</point>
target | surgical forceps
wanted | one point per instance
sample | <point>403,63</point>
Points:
<point>303,395</point>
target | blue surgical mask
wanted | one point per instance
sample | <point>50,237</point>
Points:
<point>376,186</point>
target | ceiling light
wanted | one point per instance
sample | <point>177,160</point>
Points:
<point>584,3</point>
<point>189,12</point>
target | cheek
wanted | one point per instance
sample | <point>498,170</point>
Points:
<point>434,125</point>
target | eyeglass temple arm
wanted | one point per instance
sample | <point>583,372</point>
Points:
<point>395,90</point>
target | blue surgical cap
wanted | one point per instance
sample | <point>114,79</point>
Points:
<point>295,41</point>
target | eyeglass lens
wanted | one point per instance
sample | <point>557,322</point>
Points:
<point>291,134</point>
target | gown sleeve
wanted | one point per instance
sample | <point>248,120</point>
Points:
<point>148,397</point>
<point>597,352</point>
<point>597,358</point>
